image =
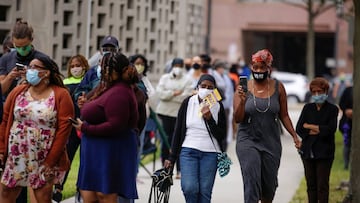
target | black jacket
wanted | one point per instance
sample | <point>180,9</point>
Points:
<point>322,145</point>
<point>218,130</point>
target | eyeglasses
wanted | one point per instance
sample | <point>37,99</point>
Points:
<point>209,87</point>
<point>34,66</point>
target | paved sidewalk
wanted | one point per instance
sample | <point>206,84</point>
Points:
<point>230,188</point>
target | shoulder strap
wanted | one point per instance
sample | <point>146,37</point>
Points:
<point>210,134</point>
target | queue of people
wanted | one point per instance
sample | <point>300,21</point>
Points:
<point>104,110</point>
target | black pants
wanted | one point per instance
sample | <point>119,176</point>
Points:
<point>22,198</point>
<point>168,124</point>
<point>317,174</point>
<point>71,148</point>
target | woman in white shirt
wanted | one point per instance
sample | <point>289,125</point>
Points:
<point>199,129</point>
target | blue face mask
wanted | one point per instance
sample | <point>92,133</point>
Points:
<point>319,99</point>
<point>32,76</point>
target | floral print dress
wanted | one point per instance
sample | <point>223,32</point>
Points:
<point>30,140</point>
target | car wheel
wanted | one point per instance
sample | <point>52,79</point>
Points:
<point>292,99</point>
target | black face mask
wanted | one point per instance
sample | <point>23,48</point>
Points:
<point>260,76</point>
<point>196,66</point>
<point>187,67</point>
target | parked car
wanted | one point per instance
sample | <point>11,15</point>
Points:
<point>296,85</point>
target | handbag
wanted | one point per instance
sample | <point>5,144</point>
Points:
<point>223,160</point>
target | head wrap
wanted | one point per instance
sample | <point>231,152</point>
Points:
<point>264,56</point>
<point>206,77</point>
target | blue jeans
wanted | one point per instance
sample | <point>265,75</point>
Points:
<point>198,170</point>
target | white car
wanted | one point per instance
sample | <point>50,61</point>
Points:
<point>296,85</point>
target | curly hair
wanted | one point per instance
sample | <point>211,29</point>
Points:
<point>110,62</point>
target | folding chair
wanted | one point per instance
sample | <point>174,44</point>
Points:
<point>149,146</point>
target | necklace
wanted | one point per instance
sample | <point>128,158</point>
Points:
<point>268,97</point>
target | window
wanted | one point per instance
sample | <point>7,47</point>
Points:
<point>54,51</point>
<point>153,5</point>
<point>171,47</point>
<point>152,46</point>
<point>4,12</point>
<point>129,23</point>
<point>138,13</point>
<point>121,32</point>
<point>111,9</point>
<point>101,20</point>
<point>171,26</point>
<point>172,7</point>
<point>55,29</point>
<point>121,11</point>
<point>18,5</point>
<point>130,4</point>
<point>56,6</point>
<point>100,2</point>
<point>111,29</point>
<point>152,25</point>
<point>80,4</point>
<point>159,36</point>
<point>64,61</point>
<point>68,15</point>
<point>145,35</point>
<point>137,34</point>
<point>78,49</point>
<point>67,41</point>
<point>129,45</point>
<point>78,30</point>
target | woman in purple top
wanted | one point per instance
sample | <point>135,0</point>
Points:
<point>108,156</point>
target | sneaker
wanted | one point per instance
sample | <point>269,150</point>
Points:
<point>57,196</point>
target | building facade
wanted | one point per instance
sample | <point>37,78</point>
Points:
<point>240,27</point>
<point>158,29</point>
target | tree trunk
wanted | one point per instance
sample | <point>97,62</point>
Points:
<point>355,149</point>
<point>310,44</point>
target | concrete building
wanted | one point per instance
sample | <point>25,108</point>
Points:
<point>159,29</point>
<point>240,27</point>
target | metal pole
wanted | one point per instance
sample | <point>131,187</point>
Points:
<point>88,22</point>
<point>208,28</point>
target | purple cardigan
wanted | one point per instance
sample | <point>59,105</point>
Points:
<point>112,113</point>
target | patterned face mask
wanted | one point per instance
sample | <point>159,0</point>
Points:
<point>319,99</point>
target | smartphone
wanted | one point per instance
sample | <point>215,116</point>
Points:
<point>20,66</point>
<point>243,83</point>
<point>73,121</point>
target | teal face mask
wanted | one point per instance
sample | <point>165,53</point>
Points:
<point>319,99</point>
<point>24,51</point>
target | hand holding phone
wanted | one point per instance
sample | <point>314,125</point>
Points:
<point>20,66</point>
<point>73,121</point>
<point>243,83</point>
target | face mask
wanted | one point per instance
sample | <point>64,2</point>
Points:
<point>32,76</point>
<point>76,72</point>
<point>196,66</point>
<point>260,76</point>
<point>319,99</point>
<point>98,71</point>
<point>177,71</point>
<point>24,51</point>
<point>140,68</point>
<point>12,49</point>
<point>203,92</point>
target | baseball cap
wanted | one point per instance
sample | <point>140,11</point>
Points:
<point>177,61</point>
<point>110,40</point>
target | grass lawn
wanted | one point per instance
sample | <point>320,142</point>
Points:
<point>337,175</point>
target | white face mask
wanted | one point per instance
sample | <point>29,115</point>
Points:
<point>98,71</point>
<point>76,72</point>
<point>177,71</point>
<point>140,68</point>
<point>203,92</point>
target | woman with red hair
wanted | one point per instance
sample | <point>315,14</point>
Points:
<point>257,109</point>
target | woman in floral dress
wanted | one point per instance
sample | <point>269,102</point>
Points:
<point>34,133</point>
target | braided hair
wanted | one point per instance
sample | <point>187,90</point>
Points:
<point>112,62</point>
